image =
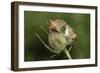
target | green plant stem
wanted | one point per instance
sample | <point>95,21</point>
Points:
<point>67,53</point>
<point>70,48</point>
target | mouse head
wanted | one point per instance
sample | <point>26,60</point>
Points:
<point>56,24</point>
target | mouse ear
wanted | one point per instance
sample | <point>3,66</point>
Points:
<point>51,21</point>
<point>51,24</point>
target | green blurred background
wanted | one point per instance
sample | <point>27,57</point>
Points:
<point>35,50</point>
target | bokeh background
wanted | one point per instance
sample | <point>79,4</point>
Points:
<point>35,50</point>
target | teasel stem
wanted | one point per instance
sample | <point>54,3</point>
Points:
<point>70,48</point>
<point>67,53</point>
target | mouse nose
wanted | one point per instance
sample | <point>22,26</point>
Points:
<point>74,37</point>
